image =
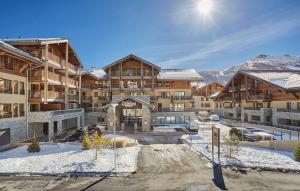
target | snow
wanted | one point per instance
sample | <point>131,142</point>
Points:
<point>248,157</point>
<point>16,50</point>
<point>66,158</point>
<point>178,74</point>
<point>99,73</point>
<point>252,157</point>
<point>285,79</point>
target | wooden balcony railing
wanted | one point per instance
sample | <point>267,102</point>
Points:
<point>182,97</point>
<point>103,98</point>
<point>73,97</point>
<point>288,110</point>
<point>174,110</point>
<point>86,98</point>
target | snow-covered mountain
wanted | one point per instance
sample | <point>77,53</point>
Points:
<point>261,62</point>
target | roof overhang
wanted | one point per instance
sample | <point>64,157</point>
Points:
<point>135,99</point>
<point>131,56</point>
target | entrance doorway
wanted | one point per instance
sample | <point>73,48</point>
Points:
<point>132,119</point>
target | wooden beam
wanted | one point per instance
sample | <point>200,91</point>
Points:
<point>24,67</point>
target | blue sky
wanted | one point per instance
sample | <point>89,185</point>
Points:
<point>169,33</point>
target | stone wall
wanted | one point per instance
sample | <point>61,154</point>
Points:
<point>17,128</point>
<point>92,117</point>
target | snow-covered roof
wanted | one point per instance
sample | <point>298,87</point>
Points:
<point>288,79</point>
<point>34,39</point>
<point>95,73</point>
<point>99,73</point>
<point>179,74</point>
<point>214,95</point>
<point>18,51</point>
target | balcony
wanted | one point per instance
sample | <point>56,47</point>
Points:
<point>182,98</point>
<point>114,86</point>
<point>58,115</point>
<point>288,110</point>
<point>174,110</point>
<point>73,98</point>
<point>52,96</point>
<point>163,97</point>
<point>132,86</point>
<point>104,86</point>
<point>264,97</point>
<point>231,89</point>
<point>86,98</point>
<point>147,86</point>
<point>130,73</point>
<point>103,98</point>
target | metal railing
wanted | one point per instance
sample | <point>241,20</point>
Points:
<point>182,97</point>
<point>174,110</point>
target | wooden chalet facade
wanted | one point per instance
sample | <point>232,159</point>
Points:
<point>264,97</point>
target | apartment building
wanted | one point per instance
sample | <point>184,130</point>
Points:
<point>264,97</point>
<point>143,93</point>
<point>13,92</point>
<point>54,87</point>
<point>204,96</point>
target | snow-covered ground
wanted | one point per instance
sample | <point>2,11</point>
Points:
<point>67,158</point>
<point>249,157</point>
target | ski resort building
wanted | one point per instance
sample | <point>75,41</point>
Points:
<point>54,86</point>
<point>204,94</point>
<point>144,94</point>
<point>264,97</point>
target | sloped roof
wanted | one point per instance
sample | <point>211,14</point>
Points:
<point>179,74</point>
<point>133,57</point>
<point>200,86</point>
<point>11,48</point>
<point>42,41</point>
<point>95,73</point>
<point>286,79</point>
<point>131,98</point>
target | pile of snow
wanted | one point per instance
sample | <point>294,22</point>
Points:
<point>248,157</point>
<point>67,158</point>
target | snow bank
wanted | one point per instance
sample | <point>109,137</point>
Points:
<point>249,157</point>
<point>66,158</point>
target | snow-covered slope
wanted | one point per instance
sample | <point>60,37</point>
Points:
<point>261,62</point>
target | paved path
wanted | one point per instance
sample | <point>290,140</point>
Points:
<point>163,167</point>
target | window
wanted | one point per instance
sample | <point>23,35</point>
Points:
<point>289,105</point>
<point>95,94</point>
<point>22,88</point>
<point>96,105</point>
<point>16,110</point>
<point>179,94</point>
<point>7,87</point>
<point>5,111</point>
<point>22,110</point>
<point>207,99</point>
<point>202,99</point>
<point>1,85</point>
<point>16,87</point>
<point>8,65</point>
<point>164,94</point>
<point>179,107</point>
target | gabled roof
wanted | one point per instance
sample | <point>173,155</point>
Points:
<point>210,83</point>
<point>7,47</point>
<point>131,56</point>
<point>179,74</point>
<point>42,41</point>
<point>123,98</point>
<point>285,79</point>
<point>281,79</point>
<point>95,73</point>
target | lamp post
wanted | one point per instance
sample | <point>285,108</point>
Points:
<point>114,105</point>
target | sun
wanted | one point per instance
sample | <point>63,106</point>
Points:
<point>205,6</point>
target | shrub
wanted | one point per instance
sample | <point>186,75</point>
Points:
<point>297,153</point>
<point>86,142</point>
<point>99,142</point>
<point>236,132</point>
<point>232,143</point>
<point>34,146</point>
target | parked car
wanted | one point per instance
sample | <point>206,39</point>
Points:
<point>214,117</point>
<point>193,125</point>
<point>245,134</point>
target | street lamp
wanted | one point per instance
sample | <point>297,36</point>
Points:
<point>114,105</point>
